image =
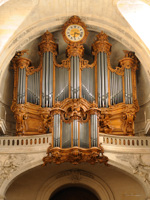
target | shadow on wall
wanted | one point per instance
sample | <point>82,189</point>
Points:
<point>73,193</point>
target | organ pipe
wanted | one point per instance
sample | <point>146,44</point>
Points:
<point>101,48</point>
<point>47,51</point>
<point>75,85</point>
<point>57,130</point>
<point>91,109</point>
<point>93,130</point>
<point>75,133</point>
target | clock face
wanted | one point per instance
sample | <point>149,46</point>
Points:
<point>74,33</point>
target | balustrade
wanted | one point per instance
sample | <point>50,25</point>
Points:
<point>25,141</point>
<point>125,141</point>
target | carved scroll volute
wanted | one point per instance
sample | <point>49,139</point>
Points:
<point>75,50</point>
<point>131,61</point>
<point>128,123</point>
<point>47,44</point>
<point>101,44</point>
<point>20,62</point>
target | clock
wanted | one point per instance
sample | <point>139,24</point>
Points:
<point>75,33</point>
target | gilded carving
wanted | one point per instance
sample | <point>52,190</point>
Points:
<point>77,21</point>
<point>129,61</point>
<point>75,155</point>
<point>75,50</point>
<point>114,119</point>
<point>48,44</point>
<point>101,44</point>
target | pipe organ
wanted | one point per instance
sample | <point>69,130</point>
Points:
<point>75,100</point>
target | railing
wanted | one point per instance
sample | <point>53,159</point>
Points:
<point>124,141</point>
<point>46,139</point>
<point>25,141</point>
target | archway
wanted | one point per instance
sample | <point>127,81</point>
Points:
<point>73,193</point>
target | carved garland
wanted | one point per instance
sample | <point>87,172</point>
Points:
<point>75,155</point>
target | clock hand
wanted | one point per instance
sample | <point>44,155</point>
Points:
<point>77,33</point>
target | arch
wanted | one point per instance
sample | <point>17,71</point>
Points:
<point>73,192</point>
<point>75,178</point>
<point>72,176</point>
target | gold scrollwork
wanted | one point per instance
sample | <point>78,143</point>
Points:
<point>48,44</point>
<point>101,44</point>
<point>75,155</point>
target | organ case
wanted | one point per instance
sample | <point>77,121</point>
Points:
<point>89,99</point>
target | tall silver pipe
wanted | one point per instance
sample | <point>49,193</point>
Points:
<point>36,75</point>
<point>131,95</point>
<point>34,88</point>
<point>106,79</point>
<point>18,94</point>
<point>118,88</point>
<point>113,88</point>
<point>103,80</point>
<point>31,88</point>
<point>93,130</point>
<point>51,81</point>
<point>78,85</point>
<point>23,85</point>
<point>57,130</point>
<point>47,77</point>
<point>43,82</point>
<point>110,88</point>
<point>99,80</point>
<point>38,87</point>
<point>75,78</point>
<point>75,133</point>
<point>84,135</point>
<point>72,77</point>
<point>126,87</point>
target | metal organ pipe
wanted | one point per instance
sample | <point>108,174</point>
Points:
<point>128,86</point>
<point>47,81</point>
<point>78,85</point>
<point>47,77</point>
<point>21,86</point>
<point>75,133</point>
<point>102,79</point>
<point>43,82</point>
<point>57,130</point>
<point>131,95</point>
<point>93,130</point>
<point>116,89</point>
<point>106,79</point>
<point>33,88</point>
<point>74,77</point>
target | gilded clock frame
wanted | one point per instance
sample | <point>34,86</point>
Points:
<point>74,20</point>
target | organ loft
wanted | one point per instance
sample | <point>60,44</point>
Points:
<point>75,109</point>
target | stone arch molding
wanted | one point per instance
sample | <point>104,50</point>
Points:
<point>117,31</point>
<point>75,177</point>
<point>16,167</point>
